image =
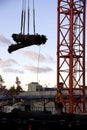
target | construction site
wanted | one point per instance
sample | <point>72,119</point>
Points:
<point>71,72</point>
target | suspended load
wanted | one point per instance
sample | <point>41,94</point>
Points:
<point>23,40</point>
<point>26,40</point>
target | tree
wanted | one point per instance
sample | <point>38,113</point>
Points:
<point>18,88</point>
<point>1,82</point>
<point>12,91</point>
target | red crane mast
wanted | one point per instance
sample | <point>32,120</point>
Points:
<point>71,53</point>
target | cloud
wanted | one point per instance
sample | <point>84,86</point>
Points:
<point>42,59</point>
<point>36,56</point>
<point>12,70</point>
<point>7,62</point>
<point>39,70</point>
<point>33,55</point>
<point>8,65</point>
<point>4,40</point>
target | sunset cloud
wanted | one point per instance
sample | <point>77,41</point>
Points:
<point>4,40</point>
<point>36,56</point>
<point>12,70</point>
<point>34,69</point>
<point>7,62</point>
<point>8,66</point>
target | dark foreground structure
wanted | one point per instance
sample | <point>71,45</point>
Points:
<point>41,121</point>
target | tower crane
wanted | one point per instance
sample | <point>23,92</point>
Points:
<point>71,24</point>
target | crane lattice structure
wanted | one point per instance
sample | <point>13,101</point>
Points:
<point>71,21</point>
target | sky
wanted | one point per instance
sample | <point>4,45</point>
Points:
<point>33,63</point>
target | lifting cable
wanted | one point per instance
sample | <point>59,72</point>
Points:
<point>23,20</point>
<point>33,17</point>
<point>39,46</point>
<point>38,64</point>
<point>23,17</point>
<point>28,16</point>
